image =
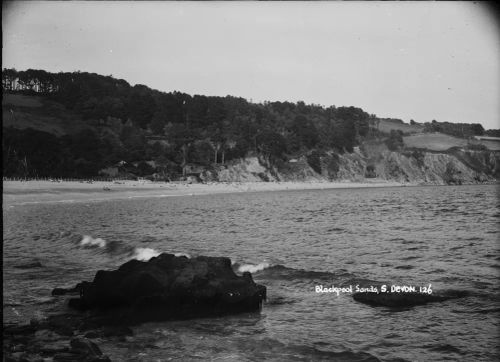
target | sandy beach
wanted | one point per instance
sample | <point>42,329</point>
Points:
<point>26,192</point>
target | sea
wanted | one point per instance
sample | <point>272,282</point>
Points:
<point>443,238</point>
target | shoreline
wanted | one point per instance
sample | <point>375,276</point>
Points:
<point>33,192</point>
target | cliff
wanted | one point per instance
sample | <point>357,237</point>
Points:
<point>456,166</point>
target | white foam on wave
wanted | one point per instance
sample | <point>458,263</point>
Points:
<point>144,254</point>
<point>90,241</point>
<point>252,268</point>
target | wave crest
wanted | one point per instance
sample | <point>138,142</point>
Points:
<point>252,268</point>
<point>144,254</point>
<point>90,241</point>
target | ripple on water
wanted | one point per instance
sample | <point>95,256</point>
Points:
<point>330,237</point>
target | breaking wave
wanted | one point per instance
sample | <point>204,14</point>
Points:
<point>278,271</point>
<point>144,254</point>
<point>251,267</point>
<point>89,241</point>
<point>286,273</point>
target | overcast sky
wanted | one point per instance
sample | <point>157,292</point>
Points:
<point>408,60</point>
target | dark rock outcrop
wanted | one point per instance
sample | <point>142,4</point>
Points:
<point>167,287</point>
<point>77,289</point>
<point>87,348</point>
<point>405,300</point>
<point>31,265</point>
<point>41,341</point>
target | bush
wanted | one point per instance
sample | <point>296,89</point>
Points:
<point>416,154</point>
<point>263,176</point>
<point>332,166</point>
<point>145,169</point>
<point>476,147</point>
<point>314,160</point>
<point>370,171</point>
<point>395,140</point>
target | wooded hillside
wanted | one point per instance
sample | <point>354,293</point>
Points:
<point>136,124</point>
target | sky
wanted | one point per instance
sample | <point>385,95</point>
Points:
<point>407,60</point>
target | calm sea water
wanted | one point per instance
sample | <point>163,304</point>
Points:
<point>292,241</point>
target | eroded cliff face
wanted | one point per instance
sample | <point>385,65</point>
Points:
<point>413,167</point>
<point>249,169</point>
<point>430,168</point>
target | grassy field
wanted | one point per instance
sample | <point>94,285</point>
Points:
<point>23,112</point>
<point>387,125</point>
<point>443,142</point>
<point>491,145</point>
<point>20,100</point>
<point>434,141</point>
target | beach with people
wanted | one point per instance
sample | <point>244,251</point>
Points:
<point>36,191</point>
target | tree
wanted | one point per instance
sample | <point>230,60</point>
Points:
<point>112,149</point>
<point>9,77</point>
<point>215,140</point>
<point>201,152</point>
<point>395,140</point>
<point>181,137</point>
<point>305,132</point>
<point>477,129</point>
<point>145,169</point>
<point>343,135</point>
<point>140,106</point>
<point>133,141</point>
<point>271,144</point>
<point>357,116</point>
<point>158,122</point>
<point>314,160</point>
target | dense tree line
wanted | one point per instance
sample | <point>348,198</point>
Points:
<point>492,133</point>
<point>463,130</point>
<point>199,129</point>
<point>33,153</point>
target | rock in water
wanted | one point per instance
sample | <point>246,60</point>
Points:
<point>169,287</point>
<point>75,290</point>
<point>86,347</point>
<point>405,300</point>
